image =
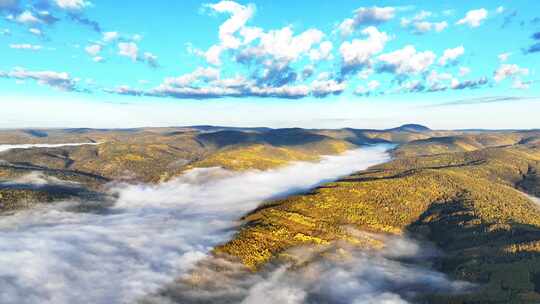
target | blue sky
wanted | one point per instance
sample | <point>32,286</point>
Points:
<point>459,64</point>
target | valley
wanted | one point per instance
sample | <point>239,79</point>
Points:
<point>471,194</point>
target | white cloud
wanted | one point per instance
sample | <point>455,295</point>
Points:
<point>284,47</point>
<point>407,61</point>
<point>500,9</point>
<point>373,15</point>
<point>200,74</point>
<point>346,27</point>
<point>110,36</point>
<point>504,57</point>
<point>365,16</point>
<point>240,14</point>
<point>422,27</point>
<point>213,55</point>
<point>151,235</point>
<point>368,89</point>
<point>58,80</point>
<point>128,49</point>
<point>509,70</point>
<point>74,5</point>
<point>93,49</point>
<point>359,52</point>
<point>440,26</point>
<point>98,59</point>
<point>451,55</point>
<point>322,88</point>
<point>464,71</point>
<point>434,77</point>
<point>323,53</point>
<point>35,31</point>
<point>26,46</point>
<point>27,17</point>
<point>474,18</point>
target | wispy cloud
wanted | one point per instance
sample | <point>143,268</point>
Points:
<point>59,80</point>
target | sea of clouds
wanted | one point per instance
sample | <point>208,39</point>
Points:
<point>152,234</point>
<point>396,274</point>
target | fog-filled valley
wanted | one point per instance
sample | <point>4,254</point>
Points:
<point>259,215</point>
<point>150,233</point>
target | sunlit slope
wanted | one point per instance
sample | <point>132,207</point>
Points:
<point>464,202</point>
<point>469,141</point>
<point>150,155</point>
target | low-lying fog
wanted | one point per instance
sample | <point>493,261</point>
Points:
<point>4,148</point>
<point>152,234</point>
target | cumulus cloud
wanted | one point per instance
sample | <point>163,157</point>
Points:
<point>373,15</point>
<point>239,16</point>
<point>26,46</point>
<point>470,84</point>
<point>27,17</point>
<point>128,49</point>
<point>152,233</point>
<point>324,52</point>
<point>412,86</point>
<point>451,55</point>
<point>282,47</point>
<point>438,81</point>
<point>190,79</point>
<point>205,83</point>
<point>421,26</point>
<point>509,70</point>
<point>368,89</point>
<point>323,88</point>
<point>110,36</point>
<point>57,80</point>
<point>93,49</point>
<point>406,61</point>
<point>358,53</point>
<point>474,18</point>
<point>366,16</point>
<point>131,50</point>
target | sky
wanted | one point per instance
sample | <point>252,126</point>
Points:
<point>371,64</point>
